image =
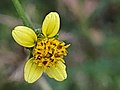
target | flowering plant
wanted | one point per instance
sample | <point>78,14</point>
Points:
<point>47,50</point>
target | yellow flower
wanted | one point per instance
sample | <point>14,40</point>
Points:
<point>47,51</point>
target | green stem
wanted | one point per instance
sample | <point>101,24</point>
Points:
<point>22,14</point>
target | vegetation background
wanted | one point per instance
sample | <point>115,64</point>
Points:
<point>91,26</point>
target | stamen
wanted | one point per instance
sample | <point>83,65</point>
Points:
<point>48,51</point>
<point>44,62</point>
<point>59,47</point>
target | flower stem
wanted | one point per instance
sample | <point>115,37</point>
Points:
<point>22,14</point>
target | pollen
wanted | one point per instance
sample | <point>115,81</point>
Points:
<point>48,52</point>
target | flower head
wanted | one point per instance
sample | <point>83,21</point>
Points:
<point>47,51</point>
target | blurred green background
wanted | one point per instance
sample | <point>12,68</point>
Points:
<point>91,26</point>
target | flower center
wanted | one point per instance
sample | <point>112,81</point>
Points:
<point>48,51</point>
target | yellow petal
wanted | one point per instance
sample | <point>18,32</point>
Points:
<point>24,36</point>
<point>58,71</point>
<point>32,71</point>
<point>51,24</point>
